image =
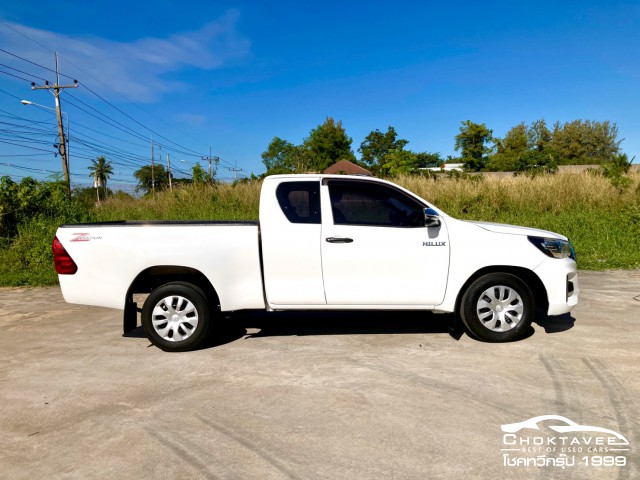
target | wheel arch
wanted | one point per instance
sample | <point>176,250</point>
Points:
<point>158,275</point>
<point>540,297</point>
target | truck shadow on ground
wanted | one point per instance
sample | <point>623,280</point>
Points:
<point>235,326</point>
<point>556,323</point>
<point>341,323</point>
<point>274,324</point>
<point>362,322</point>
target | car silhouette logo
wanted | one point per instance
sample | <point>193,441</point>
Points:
<point>562,425</point>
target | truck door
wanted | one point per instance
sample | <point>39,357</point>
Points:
<point>376,249</point>
<point>291,244</point>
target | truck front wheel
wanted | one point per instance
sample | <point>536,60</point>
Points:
<point>497,307</point>
<point>176,317</point>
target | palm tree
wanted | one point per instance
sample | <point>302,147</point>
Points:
<point>100,170</point>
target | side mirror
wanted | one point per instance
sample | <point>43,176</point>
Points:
<point>431,218</point>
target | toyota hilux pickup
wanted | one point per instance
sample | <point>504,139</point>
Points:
<point>323,242</point>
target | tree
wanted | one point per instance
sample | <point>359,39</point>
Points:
<point>199,174</point>
<point>472,141</point>
<point>325,145</point>
<point>584,142</point>
<point>284,157</point>
<point>515,141</point>
<point>616,171</point>
<point>377,145</point>
<point>539,135</point>
<point>328,143</point>
<point>399,162</point>
<point>143,174</point>
<point>100,170</point>
<point>512,153</point>
<point>509,149</point>
<point>426,159</point>
<point>534,162</point>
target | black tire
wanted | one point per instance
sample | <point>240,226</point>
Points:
<point>497,307</point>
<point>188,318</point>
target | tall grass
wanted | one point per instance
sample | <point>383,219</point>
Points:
<point>202,202</point>
<point>602,221</point>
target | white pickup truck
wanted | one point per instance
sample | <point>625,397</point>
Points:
<point>324,242</point>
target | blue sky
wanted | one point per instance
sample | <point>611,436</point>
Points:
<point>232,75</point>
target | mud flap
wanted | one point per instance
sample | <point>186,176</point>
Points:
<point>456,327</point>
<point>130,317</point>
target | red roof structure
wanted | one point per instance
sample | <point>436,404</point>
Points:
<point>346,167</point>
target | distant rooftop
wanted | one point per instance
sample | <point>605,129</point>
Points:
<point>346,167</point>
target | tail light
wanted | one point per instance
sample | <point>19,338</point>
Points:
<point>62,260</point>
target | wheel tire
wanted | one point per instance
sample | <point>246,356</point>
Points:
<point>497,307</point>
<point>176,317</point>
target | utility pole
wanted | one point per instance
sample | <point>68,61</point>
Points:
<point>210,159</point>
<point>235,171</point>
<point>153,180</point>
<point>62,147</point>
<point>169,171</point>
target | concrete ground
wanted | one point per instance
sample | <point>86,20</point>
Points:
<point>339,396</point>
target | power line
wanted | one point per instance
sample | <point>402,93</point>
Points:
<point>21,137</point>
<point>24,146</point>
<point>118,125</point>
<point>10,94</point>
<point>26,120</point>
<point>16,76</point>
<point>122,129</point>
<point>22,129</point>
<point>171,146</point>
<point>34,63</point>
<point>110,136</point>
<point>142,125</point>
<point>24,35</point>
<point>21,71</point>
<point>115,150</point>
<point>134,104</point>
<point>25,155</point>
<point>86,73</point>
<point>27,169</point>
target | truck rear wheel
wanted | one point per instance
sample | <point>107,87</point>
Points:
<point>176,317</point>
<point>497,307</point>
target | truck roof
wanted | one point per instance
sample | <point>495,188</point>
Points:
<point>325,175</point>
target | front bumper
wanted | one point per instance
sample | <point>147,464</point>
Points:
<point>560,279</point>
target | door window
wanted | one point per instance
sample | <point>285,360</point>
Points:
<point>362,203</point>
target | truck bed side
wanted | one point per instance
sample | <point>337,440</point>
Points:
<point>111,255</point>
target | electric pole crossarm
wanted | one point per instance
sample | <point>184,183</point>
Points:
<point>52,87</point>
<point>235,171</point>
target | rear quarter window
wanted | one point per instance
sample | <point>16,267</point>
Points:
<point>300,201</point>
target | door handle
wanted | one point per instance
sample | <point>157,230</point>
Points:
<point>339,240</point>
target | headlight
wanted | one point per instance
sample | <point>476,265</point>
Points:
<point>553,247</point>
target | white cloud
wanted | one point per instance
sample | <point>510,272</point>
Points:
<point>135,69</point>
<point>191,119</point>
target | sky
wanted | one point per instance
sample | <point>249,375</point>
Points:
<point>226,77</point>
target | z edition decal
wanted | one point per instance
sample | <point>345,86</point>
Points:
<point>556,441</point>
<point>83,237</point>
